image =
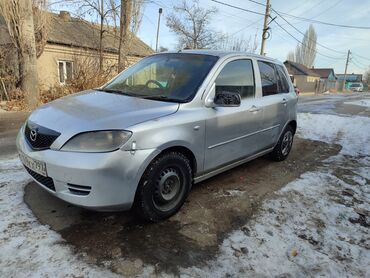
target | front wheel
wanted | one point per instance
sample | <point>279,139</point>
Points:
<point>284,145</point>
<point>164,187</point>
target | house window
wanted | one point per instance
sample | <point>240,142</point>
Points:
<point>65,69</point>
<point>311,79</point>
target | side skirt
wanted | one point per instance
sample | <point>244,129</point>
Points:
<point>229,166</point>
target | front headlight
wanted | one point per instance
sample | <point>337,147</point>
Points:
<point>97,141</point>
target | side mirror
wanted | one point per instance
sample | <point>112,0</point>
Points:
<point>227,99</point>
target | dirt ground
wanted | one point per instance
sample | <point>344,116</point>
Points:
<point>214,208</point>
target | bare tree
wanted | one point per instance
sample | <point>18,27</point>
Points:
<point>102,10</point>
<point>130,20</point>
<point>191,23</point>
<point>305,53</point>
<point>291,56</point>
<point>19,19</point>
<point>41,23</point>
<point>367,76</point>
<point>238,44</point>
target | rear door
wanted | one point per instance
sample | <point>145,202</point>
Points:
<point>274,104</point>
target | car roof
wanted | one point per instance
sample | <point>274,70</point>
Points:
<point>224,54</point>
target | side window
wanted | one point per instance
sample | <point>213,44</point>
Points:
<point>237,76</point>
<point>283,82</point>
<point>268,78</point>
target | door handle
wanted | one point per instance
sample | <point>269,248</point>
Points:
<point>284,101</point>
<point>254,109</point>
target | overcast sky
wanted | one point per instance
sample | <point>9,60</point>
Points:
<point>229,20</point>
<point>247,25</point>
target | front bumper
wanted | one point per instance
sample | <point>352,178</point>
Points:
<point>112,177</point>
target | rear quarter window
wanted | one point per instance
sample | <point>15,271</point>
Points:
<point>283,81</point>
<point>269,80</point>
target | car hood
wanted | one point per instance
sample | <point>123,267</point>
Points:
<point>97,110</point>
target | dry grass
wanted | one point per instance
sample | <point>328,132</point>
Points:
<point>86,75</point>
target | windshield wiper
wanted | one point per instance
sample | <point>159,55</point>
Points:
<point>115,91</point>
<point>161,97</point>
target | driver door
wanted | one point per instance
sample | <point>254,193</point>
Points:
<point>231,132</point>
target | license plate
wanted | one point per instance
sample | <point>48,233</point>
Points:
<point>35,165</point>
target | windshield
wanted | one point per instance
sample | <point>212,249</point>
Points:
<point>167,77</point>
<point>356,85</point>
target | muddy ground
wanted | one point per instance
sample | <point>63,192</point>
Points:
<point>213,209</point>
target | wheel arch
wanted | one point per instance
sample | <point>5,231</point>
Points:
<point>185,151</point>
<point>293,124</point>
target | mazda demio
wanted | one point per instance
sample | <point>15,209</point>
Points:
<point>171,120</point>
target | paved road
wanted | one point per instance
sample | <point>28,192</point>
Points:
<point>334,104</point>
<point>10,122</point>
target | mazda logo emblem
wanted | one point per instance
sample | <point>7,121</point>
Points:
<point>33,135</point>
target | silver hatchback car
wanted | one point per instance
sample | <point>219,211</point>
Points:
<point>171,120</point>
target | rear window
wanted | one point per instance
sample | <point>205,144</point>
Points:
<point>269,79</point>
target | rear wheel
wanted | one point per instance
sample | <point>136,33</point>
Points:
<point>284,145</point>
<point>164,187</point>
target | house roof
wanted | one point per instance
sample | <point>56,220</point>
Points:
<point>76,32</point>
<point>324,72</point>
<point>71,31</point>
<point>299,69</point>
<point>350,77</point>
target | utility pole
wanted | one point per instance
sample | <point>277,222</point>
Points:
<point>159,22</point>
<point>265,27</point>
<point>345,71</point>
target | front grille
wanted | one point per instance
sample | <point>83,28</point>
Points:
<point>42,137</point>
<point>45,181</point>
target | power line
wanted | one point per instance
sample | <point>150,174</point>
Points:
<point>361,56</point>
<point>340,52</point>
<point>277,23</point>
<point>327,23</point>
<point>293,16</point>
<point>328,8</point>
<point>359,62</point>
<point>246,27</point>
<point>360,67</point>
<point>239,8</point>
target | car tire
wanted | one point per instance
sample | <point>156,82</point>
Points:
<point>164,187</point>
<point>284,145</point>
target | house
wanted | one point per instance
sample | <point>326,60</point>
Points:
<point>303,77</point>
<point>325,74</point>
<point>70,40</point>
<point>328,79</point>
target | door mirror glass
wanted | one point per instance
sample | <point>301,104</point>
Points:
<point>227,99</point>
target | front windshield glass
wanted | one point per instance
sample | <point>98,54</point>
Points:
<point>355,85</point>
<point>167,77</point>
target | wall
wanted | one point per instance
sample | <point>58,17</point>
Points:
<point>306,83</point>
<point>47,63</point>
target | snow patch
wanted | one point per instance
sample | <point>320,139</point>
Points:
<point>352,133</point>
<point>362,102</point>
<point>29,249</point>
